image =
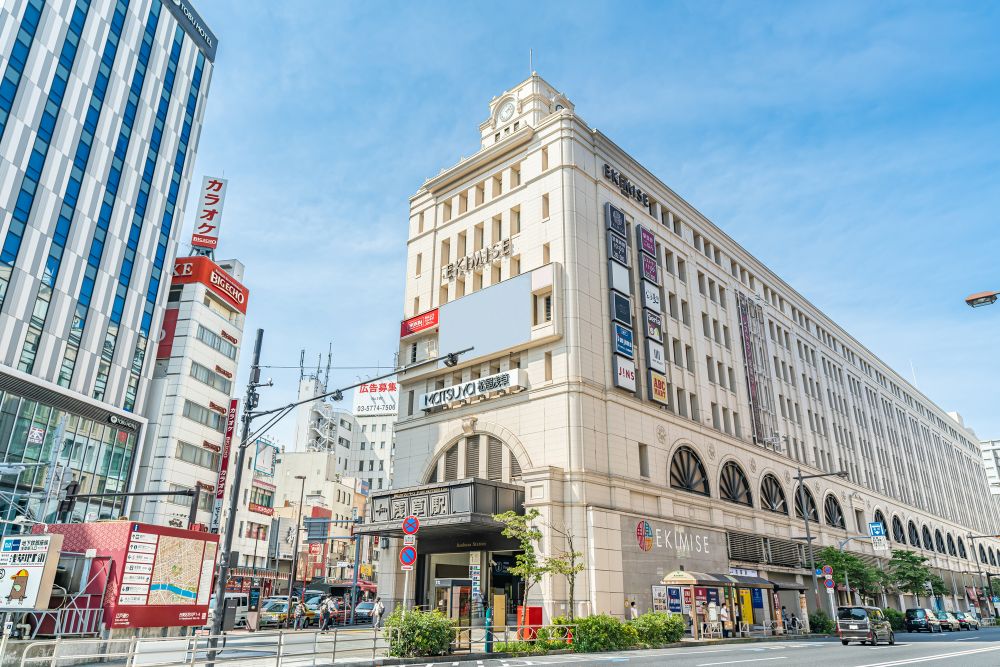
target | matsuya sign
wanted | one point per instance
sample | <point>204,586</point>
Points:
<point>513,379</point>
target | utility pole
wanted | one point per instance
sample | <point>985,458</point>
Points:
<point>295,553</point>
<point>249,404</point>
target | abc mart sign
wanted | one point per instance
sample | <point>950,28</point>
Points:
<point>482,387</point>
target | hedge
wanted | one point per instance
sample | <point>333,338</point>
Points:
<point>418,633</point>
<point>656,628</point>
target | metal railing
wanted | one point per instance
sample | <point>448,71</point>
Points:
<point>511,638</point>
<point>259,649</point>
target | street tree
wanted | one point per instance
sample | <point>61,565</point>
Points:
<point>527,564</point>
<point>909,572</point>
<point>567,562</point>
<point>860,575</point>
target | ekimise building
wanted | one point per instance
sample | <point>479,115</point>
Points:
<point>652,389</point>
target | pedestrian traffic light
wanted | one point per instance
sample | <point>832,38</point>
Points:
<point>68,502</point>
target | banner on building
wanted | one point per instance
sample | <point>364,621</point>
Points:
<point>220,487</point>
<point>209,220</point>
<point>167,332</point>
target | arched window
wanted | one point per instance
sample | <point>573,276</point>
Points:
<point>832,512</point>
<point>914,534</point>
<point>477,455</point>
<point>733,485</point>
<point>951,546</point>
<point>961,549</point>
<point>993,560</point>
<point>939,541</point>
<point>926,534</point>
<point>810,504</point>
<point>982,555</point>
<point>898,534</point>
<point>687,473</point>
<point>772,495</point>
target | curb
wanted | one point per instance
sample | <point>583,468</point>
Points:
<point>468,657</point>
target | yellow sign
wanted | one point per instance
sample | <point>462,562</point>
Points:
<point>746,606</point>
<point>366,570</point>
<point>658,387</point>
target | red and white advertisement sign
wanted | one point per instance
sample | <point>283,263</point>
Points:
<point>167,332</point>
<point>202,270</point>
<point>220,487</point>
<point>260,509</point>
<point>209,220</point>
<point>419,323</point>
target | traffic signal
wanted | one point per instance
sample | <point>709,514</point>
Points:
<point>68,502</point>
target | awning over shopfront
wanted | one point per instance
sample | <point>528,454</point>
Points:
<point>257,573</point>
<point>458,514</point>
<point>685,578</point>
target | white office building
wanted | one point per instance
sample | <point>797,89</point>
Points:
<point>101,109</point>
<point>375,410</point>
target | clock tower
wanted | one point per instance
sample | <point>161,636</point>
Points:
<point>525,105</point>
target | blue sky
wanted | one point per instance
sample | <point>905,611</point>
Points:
<point>853,148</point>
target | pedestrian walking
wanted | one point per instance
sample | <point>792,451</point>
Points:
<point>324,614</point>
<point>299,615</point>
<point>377,612</point>
<point>633,611</point>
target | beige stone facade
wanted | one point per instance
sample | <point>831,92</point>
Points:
<point>509,252</point>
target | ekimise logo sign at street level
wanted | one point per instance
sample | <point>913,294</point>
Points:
<point>674,539</point>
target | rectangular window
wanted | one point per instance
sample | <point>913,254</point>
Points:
<point>420,262</point>
<point>548,366</point>
<point>198,456</point>
<point>543,307</point>
<point>211,378</point>
<point>545,207</point>
<point>204,416</point>
<point>217,342</point>
<point>515,220</point>
<point>643,460</point>
<point>545,158</point>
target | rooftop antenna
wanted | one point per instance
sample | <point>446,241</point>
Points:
<point>329,361</point>
<point>531,63</point>
<point>302,363</point>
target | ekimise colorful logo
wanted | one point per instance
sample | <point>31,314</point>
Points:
<point>644,535</point>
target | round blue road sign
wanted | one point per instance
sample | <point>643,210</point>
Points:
<point>407,555</point>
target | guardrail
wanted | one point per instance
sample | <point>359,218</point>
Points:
<point>259,649</point>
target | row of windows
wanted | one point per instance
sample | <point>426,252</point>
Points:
<point>40,149</point>
<point>199,456</point>
<point>166,224</point>
<point>18,58</point>
<point>211,378</point>
<point>203,415</point>
<point>217,342</point>
<point>97,243</point>
<point>138,220</point>
<point>68,207</point>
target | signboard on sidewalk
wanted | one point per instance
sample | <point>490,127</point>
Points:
<point>27,568</point>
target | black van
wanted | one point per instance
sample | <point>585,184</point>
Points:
<point>918,619</point>
<point>863,624</point>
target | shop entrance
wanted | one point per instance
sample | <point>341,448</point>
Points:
<point>453,598</point>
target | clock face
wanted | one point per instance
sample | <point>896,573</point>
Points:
<point>506,111</point>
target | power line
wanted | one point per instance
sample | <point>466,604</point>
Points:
<point>338,368</point>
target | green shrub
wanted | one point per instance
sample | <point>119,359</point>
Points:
<point>603,633</point>
<point>820,624</point>
<point>656,628</point>
<point>418,633</point>
<point>896,618</point>
<point>549,639</point>
<point>517,648</point>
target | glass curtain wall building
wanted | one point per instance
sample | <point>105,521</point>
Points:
<point>101,108</point>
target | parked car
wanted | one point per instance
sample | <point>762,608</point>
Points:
<point>919,619</point>
<point>363,612</point>
<point>967,621</point>
<point>863,624</point>
<point>274,612</point>
<point>948,621</point>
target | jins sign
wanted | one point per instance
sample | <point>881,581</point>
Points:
<point>203,270</point>
<point>627,187</point>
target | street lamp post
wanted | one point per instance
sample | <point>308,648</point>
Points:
<point>840,547</point>
<point>805,520</point>
<point>295,552</point>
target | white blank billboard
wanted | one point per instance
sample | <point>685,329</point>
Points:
<point>490,320</point>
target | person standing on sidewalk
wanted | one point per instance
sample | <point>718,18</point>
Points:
<point>377,612</point>
<point>633,611</point>
<point>324,614</point>
<point>300,615</point>
<point>724,618</point>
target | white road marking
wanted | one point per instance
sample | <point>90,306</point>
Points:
<point>941,656</point>
<point>739,662</point>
